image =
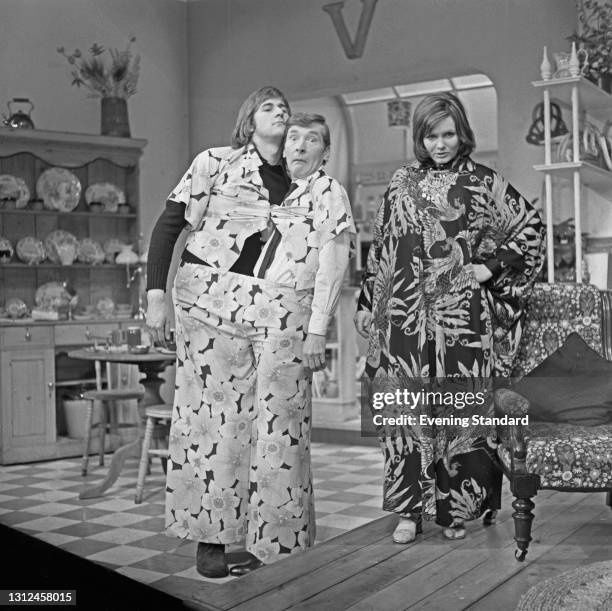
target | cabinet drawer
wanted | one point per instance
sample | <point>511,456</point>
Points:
<point>75,335</point>
<point>23,337</point>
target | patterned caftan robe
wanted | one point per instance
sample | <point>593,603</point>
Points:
<point>431,319</point>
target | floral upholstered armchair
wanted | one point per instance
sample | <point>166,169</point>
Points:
<point>563,383</point>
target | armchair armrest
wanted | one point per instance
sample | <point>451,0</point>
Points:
<point>510,403</point>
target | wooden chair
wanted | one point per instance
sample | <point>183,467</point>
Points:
<point>553,451</point>
<point>158,423</point>
<point>108,395</point>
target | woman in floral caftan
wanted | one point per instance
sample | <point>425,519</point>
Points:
<point>455,252</point>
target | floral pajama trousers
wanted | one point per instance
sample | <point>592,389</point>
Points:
<point>240,435</point>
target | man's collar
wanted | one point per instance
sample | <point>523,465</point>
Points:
<point>303,184</point>
<point>252,154</point>
<point>253,151</point>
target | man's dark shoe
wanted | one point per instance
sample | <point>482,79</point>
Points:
<point>210,560</point>
<point>246,567</point>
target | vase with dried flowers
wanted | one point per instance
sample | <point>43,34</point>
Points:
<point>112,83</point>
<point>594,35</point>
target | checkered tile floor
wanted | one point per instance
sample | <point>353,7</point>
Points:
<point>41,499</point>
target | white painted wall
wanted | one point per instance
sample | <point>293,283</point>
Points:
<point>235,46</point>
<point>376,142</point>
<point>239,45</point>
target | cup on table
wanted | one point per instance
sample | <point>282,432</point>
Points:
<point>118,337</point>
<point>134,337</point>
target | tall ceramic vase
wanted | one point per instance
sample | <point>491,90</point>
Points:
<point>114,118</point>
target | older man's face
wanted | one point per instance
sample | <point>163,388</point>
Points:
<point>305,150</point>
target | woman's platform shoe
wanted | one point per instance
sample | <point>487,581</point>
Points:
<point>455,531</point>
<point>210,560</point>
<point>489,517</point>
<point>246,567</point>
<point>407,530</point>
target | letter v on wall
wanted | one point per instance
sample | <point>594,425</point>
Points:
<point>352,49</point>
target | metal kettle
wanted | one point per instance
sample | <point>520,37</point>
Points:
<point>20,119</point>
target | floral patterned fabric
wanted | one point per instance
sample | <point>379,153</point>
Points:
<point>315,212</point>
<point>565,456</point>
<point>240,434</point>
<point>226,202</point>
<point>553,312</point>
<point>568,456</point>
<point>430,317</point>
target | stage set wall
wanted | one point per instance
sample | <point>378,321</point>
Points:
<point>237,45</point>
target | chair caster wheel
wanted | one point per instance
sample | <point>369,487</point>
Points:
<point>520,556</point>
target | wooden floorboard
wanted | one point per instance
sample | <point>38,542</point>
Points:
<point>365,581</point>
<point>350,578</point>
<point>200,594</point>
<point>413,588</point>
<point>231,594</point>
<point>363,569</point>
<point>287,576</point>
<point>497,566</point>
<point>592,542</point>
<point>429,549</point>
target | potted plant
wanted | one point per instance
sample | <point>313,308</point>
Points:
<point>114,82</point>
<point>594,35</point>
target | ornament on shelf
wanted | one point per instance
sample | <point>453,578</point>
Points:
<point>574,63</point>
<point>127,256</point>
<point>545,66</point>
<point>588,145</point>
<point>535,135</point>
<point>605,142</point>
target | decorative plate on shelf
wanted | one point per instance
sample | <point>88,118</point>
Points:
<point>90,251</point>
<point>105,307</point>
<point>13,187</point>
<point>51,296</point>
<point>112,247</point>
<point>59,189</point>
<point>6,250</point>
<point>16,308</point>
<point>108,194</point>
<point>55,240</point>
<point>31,250</point>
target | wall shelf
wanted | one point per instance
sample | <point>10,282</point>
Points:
<point>592,175</point>
<point>44,266</point>
<point>32,370</point>
<point>590,96</point>
<point>584,99</point>
<point>105,215</point>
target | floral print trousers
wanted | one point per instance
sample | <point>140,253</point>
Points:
<point>240,435</point>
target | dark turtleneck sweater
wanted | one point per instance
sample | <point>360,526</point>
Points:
<point>172,221</point>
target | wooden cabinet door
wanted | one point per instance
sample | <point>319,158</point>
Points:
<point>28,398</point>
